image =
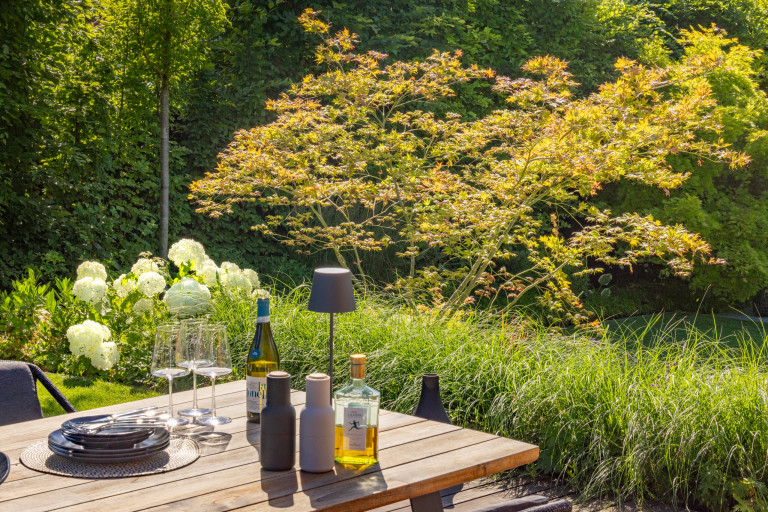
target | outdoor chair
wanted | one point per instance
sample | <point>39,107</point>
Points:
<point>18,392</point>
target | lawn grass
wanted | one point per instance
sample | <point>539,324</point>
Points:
<point>84,393</point>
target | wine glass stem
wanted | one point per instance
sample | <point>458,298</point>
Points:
<point>170,397</point>
<point>194,388</point>
<point>213,396</point>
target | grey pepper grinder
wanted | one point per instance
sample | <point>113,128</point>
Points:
<point>316,426</point>
<point>278,425</point>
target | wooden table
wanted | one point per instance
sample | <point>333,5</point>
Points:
<point>417,458</point>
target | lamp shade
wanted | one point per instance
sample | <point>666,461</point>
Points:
<point>332,291</point>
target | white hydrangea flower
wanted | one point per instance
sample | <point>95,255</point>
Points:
<point>187,297</point>
<point>151,283</point>
<point>74,335</point>
<point>143,265</point>
<point>123,286</point>
<point>187,251</point>
<point>228,266</point>
<point>235,282</point>
<point>261,293</point>
<point>106,356</point>
<point>90,339</point>
<point>90,290</point>
<point>105,333</point>
<point>143,306</point>
<point>92,269</point>
<point>253,277</point>
<point>208,271</point>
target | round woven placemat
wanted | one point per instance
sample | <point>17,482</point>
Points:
<point>181,452</point>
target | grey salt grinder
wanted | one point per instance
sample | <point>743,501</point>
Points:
<point>316,426</point>
<point>278,425</point>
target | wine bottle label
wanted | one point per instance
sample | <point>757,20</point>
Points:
<point>355,428</point>
<point>262,319</point>
<point>256,393</point>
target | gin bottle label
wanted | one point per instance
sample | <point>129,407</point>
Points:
<point>355,428</point>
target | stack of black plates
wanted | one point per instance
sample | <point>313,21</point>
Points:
<point>108,446</point>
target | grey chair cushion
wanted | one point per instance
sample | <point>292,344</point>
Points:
<point>553,506</point>
<point>18,393</point>
<point>516,504</point>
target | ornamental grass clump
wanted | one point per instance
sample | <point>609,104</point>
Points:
<point>684,423</point>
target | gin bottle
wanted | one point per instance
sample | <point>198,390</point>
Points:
<point>356,411</point>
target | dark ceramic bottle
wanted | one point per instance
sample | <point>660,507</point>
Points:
<point>278,425</point>
<point>430,404</point>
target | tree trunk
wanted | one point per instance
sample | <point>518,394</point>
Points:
<point>164,175</point>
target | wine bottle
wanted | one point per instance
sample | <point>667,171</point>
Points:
<point>356,411</point>
<point>263,358</point>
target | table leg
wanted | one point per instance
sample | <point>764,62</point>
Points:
<point>431,502</point>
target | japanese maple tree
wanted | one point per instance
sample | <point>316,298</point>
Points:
<point>363,165</point>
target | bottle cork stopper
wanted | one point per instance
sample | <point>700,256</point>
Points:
<point>358,366</point>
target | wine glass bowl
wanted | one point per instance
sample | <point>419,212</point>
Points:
<point>168,354</point>
<point>216,350</point>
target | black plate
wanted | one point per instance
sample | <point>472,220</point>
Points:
<point>158,437</point>
<point>98,454</point>
<point>122,434</point>
<point>104,459</point>
<point>96,441</point>
<point>5,467</point>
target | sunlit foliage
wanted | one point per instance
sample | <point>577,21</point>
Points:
<point>363,166</point>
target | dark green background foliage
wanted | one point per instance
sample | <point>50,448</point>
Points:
<point>79,140</point>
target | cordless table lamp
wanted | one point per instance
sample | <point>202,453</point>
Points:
<point>331,293</point>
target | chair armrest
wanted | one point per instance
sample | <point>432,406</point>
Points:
<point>41,377</point>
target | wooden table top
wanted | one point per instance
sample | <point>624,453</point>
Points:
<point>416,457</point>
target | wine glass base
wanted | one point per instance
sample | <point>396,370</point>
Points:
<point>176,422</point>
<point>194,412</point>
<point>213,420</point>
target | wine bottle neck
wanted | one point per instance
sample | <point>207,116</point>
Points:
<point>262,311</point>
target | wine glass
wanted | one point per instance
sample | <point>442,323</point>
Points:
<point>214,337</point>
<point>168,353</point>
<point>190,334</point>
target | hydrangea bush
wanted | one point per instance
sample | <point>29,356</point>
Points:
<point>120,315</point>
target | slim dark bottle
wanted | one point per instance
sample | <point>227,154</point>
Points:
<point>278,425</point>
<point>263,358</point>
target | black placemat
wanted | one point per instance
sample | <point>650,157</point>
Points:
<point>180,453</point>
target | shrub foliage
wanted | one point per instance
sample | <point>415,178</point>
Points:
<point>363,166</point>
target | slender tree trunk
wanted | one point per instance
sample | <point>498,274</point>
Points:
<point>164,175</point>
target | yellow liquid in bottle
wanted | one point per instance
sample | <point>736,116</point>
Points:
<point>357,457</point>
